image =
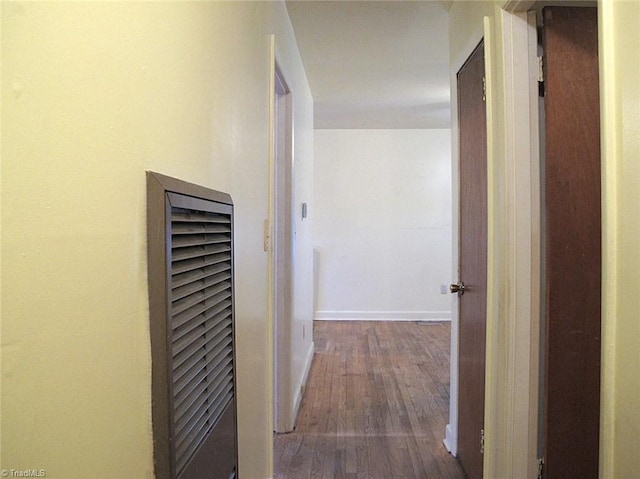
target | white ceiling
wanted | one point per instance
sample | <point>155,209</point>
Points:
<point>375,64</point>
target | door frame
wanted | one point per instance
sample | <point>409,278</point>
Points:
<point>513,312</point>
<point>513,273</point>
<point>279,243</point>
<point>513,318</point>
<point>512,410</point>
<point>513,303</point>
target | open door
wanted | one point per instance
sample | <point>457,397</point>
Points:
<point>472,287</point>
<point>572,222</point>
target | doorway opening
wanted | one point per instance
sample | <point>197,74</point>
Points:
<point>282,256</point>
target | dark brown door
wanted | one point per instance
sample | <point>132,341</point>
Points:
<point>472,122</point>
<point>572,244</point>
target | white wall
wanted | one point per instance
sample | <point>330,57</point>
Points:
<point>382,230</point>
<point>94,94</point>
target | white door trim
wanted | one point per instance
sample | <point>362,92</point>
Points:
<point>281,261</point>
<point>513,315</point>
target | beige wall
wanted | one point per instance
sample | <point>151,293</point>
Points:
<point>620,87</point>
<point>94,94</point>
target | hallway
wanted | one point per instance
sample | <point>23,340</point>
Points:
<point>375,407</point>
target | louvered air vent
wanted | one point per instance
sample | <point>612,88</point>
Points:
<point>197,384</point>
<point>202,334</point>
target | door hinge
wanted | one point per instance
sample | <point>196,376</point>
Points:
<point>540,468</point>
<point>484,89</point>
<point>481,441</point>
<point>540,69</point>
<point>540,75</point>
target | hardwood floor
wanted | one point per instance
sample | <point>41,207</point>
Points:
<point>375,407</point>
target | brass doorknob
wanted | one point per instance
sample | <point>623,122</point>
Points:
<point>457,288</point>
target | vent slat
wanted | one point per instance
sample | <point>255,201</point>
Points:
<point>203,283</point>
<point>191,371</point>
<point>191,354</point>
<point>200,262</point>
<point>199,308</point>
<point>185,401</point>
<point>202,360</point>
<point>203,416</point>
<point>209,402</point>
<point>220,312</point>
<point>189,403</point>
<point>185,241</point>
<point>193,401</point>
<point>197,252</point>
<point>199,227</point>
<point>203,296</point>
<point>211,328</point>
<point>185,450</point>
<point>208,335</point>
<point>190,216</point>
<point>185,372</point>
<point>188,373</point>
<point>194,275</point>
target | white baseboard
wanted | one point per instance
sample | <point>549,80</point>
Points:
<point>297,400</point>
<point>451,440</point>
<point>383,315</point>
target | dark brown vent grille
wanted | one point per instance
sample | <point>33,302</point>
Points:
<point>202,334</point>
<point>192,330</point>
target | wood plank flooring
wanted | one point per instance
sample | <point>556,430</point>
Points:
<point>375,407</point>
